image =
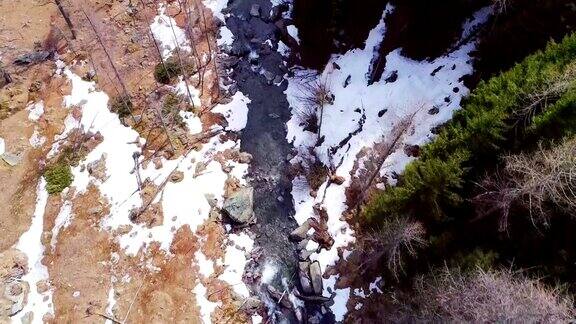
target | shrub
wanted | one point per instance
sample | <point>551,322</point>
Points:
<point>58,177</point>
<point>317,174</point>
<point>122,105</point>
<point>171,107</point>
<point>167,71</point>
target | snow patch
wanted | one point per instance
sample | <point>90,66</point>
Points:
<point>293,31</point>
<point>206,306</point>
<point>226,37</point>
<point>36,111</point>
<point>36,140</point>
<point>235,260</point>
<point>168,34</point>
<point>205,265</point>
<point>62,221</point>
<point>192,92</point>
<point>235,112</point>
<point>2,146</point>
<point>216,6</point>
<point>269,272</point>
<point>30,243</point>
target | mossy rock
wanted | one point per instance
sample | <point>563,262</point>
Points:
<point>58,177</point>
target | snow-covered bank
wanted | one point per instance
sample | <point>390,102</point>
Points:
<point>362,114</point>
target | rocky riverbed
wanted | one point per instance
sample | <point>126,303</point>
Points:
<point>258,69</point>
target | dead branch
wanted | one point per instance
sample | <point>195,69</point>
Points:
<point>66,17</point>
<point>382,151</point>
<point>182,67</point>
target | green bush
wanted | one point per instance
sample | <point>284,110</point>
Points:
<point>58,177</point>
<point>165,72</point>
<point>489,124</point>
<point>476,259</point>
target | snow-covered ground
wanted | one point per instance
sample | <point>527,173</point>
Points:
<point>183,203</point>
<point>371,111</point>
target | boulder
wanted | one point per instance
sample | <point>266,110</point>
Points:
<point>177,176</point>
<point>252,304</point>
<point>347,81</point>
<point>412,150</point>
<point>269,76</point>
<point>313,299</point>
<point>32,58</point>
<point>97,168</point>
<point>303,274</point>
<point>336,179</point>
<point>278,79</point>
<point>239,207</point>
<point>300,233</point>
<point>302,245</point>
<point>323,238</point>
<point>244,157</point>
<point>15,293</point>
<point>316,278</point>
<point>255,10</point>
<point>11,159</point>
<point>433,111</point>
<point>229,61</point>
<point>278,297</point>
<point>304,255</point>
<point>276,12</point>
<point>392,77</point>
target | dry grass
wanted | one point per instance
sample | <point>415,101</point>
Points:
<point>493,296</point>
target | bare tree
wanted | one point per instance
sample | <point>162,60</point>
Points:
<point>156,46</point>
<point>537,181</point>
<point>314,96</point>
<point>392,241</point>
<point>182,65</point>
<point>501,6</point>
<point>188,20</point>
